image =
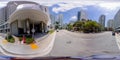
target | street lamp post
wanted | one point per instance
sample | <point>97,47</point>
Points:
<point>28,27</point>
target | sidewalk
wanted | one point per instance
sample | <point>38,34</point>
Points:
<point>117,36</point>
<point>3,35</point>
<point>22,50</point>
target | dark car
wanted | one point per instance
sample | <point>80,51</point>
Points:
<point>113,33</point>
<point>57,30</point>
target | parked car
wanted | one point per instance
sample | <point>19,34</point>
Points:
<point>72,30</point>
<point>57,30</point>
<point>113,33</point>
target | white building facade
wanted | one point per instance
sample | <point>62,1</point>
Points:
<point>117,20</point>
<point>22,17</point>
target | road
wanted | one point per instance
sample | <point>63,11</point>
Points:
<point>79,44</point>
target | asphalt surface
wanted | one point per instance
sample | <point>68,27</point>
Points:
<point>79,44</point>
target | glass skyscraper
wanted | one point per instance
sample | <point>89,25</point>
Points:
<point>81,15</point>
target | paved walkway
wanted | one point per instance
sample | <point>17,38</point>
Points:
<point>118,39</point>
<point>40,48</point>
<point>2,35</point>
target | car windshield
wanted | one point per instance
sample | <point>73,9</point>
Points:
<point>59,28</point>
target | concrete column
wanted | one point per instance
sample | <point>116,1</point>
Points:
<point>28,26</point>
<point>45,28</point>
<point>33,31</point>
<point>33,26</point>
<point>42,27</point>
<point>24,27</point>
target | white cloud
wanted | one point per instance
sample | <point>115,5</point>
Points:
<point>73,18</point>
<point>2,4</point>
<point>70,4</point>
<point>110,5</point>
<point>106,5</point>
<point>63,7</point>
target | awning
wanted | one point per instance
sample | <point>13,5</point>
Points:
<point>33,14</point>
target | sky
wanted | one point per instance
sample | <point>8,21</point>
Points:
<point>69,8</point>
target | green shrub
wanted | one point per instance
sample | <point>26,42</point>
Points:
<point>10,39</point>
<point>29,40</point>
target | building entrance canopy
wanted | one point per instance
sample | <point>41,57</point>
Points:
<point>24,20</point>
<point>33,14</point>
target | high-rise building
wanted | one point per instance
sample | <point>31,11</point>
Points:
<point>60,20</point>
<point>81,16</point>
<point>21,17</point>
<point>110,23</point>
<point>2,18</point>
<point>102,20</point>
<point>117,20</point>
<point>53,20</point>
<point>2,15</point>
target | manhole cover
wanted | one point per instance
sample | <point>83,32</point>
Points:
<point>106,51</point>
<point>68,42</point>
